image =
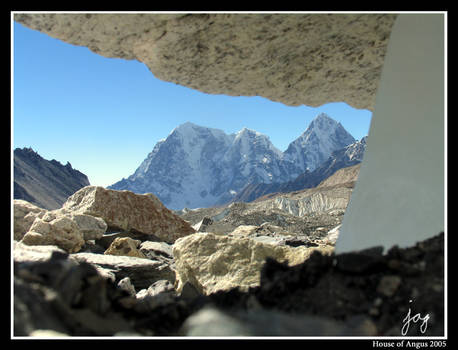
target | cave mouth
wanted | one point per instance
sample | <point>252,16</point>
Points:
<point>354,45</point>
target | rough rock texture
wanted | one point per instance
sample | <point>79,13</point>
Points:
<point>59,227</point>
<point>311,212</point>
<point>156,250</point>
<point>59,230</point>
<point>214,262</point>
<point>296,59</point>
<point>91,227</point>
<point>364,283</point>
<point>354,294</point>
<point>62,295</point>
<point>142,272</point>
<point>25,253</point>
<point>158,294</point>
<point>127,211</point>
<point>25,214</point>
<point>125,246</point>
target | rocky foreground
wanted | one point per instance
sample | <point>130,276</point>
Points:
<point>115,263</point>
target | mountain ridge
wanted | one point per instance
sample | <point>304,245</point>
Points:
<point>342,158</point>
<point>45,183</point>
<point>197,166</point>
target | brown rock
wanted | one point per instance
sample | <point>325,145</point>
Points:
<point>125,246</point>
<point>25,214</point>
<point>59,230</point>
<point>128,211</point>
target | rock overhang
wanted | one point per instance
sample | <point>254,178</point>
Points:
<point>293,58</point>
<point>308,59</point>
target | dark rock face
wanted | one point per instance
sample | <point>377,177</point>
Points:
<point>44,183</point>
<point>366,283</point>
<point>361,293</point>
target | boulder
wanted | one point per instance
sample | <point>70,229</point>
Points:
<point>25,253</point>
<point>244,230</point>
<point>142,272</point>
<point>54,229</point>
<point>25,214</point>
<point>108,238</point>
<point>62,295</point>
<point>158,251</point>
<point>125,246</point>
<point>91,227</point>
<point>128,211</point>
<point>160,293</point>
<point>213,262</point>
<point>211,321</point>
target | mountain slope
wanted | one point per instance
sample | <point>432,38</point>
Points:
<point>323,136</point>
<point>197,166</point>
<point>44,183</point>
<point>200,167</point>
<point>345,157</point>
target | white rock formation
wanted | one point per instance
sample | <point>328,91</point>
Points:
<point>213,262</point>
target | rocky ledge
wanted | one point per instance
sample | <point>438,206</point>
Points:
<point>296,59</point>
<point>255,280</point>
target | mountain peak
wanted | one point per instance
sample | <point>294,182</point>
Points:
<point>248,132</point>
<point>323,136</point>
<point>323,121</point>
<point>199,167</point>
<point>323,116</point>
<point>185,127</point>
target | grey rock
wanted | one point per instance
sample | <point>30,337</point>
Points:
<point>91,227</point>
<point>189,292</point>
<point>160,293</point>
<point>214,322</point>
<point>154,250</point>
<point>26,253</point>
<point>126,285</point>
<point>142,272</point>
<point>62,295</point>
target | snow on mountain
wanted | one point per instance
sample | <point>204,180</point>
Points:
<point>200,167</point>
<point>348,156</point>
<point>323,136</point>
<point>197,166</point>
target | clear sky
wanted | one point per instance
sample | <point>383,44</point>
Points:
<point>104,115</point>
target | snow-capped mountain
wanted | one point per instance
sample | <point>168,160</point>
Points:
<point>200,167</point>
<point>323,136</point>
<point>348,156</point>
<point>197,166</point>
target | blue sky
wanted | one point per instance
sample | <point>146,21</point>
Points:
<point>104,115</point>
